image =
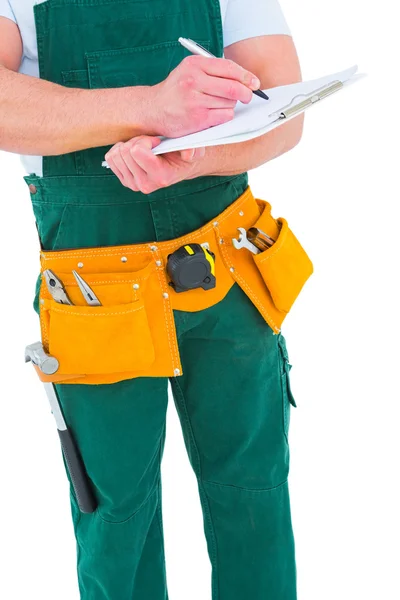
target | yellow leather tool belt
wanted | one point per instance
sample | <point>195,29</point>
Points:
<point>133,333</point>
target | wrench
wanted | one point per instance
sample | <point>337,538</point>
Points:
<point>243,242</point>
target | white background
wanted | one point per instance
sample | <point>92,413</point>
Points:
<point>339,191</point>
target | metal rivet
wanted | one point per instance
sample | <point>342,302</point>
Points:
<point>241,213</point>
<point>165,295</point>
<point>158,263</point>
<point>177,372</point>
<point>32,189</point>
<point>221,241</point>
<point>232,269</point>
<point>80,265</point>
<point>215,224</point>
<point>136,286</point>
<point>42,301</point>
<point>153,248</point>
<point>124,259</point>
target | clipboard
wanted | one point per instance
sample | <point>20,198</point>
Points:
<point>259,116</point>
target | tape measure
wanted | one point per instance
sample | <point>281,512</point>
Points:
<point>191,267</point>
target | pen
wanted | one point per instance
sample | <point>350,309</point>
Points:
<point>195,48</point>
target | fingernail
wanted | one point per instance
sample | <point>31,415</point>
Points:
<point>255,83</point>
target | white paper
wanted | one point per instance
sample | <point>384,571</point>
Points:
<point>256,118</point>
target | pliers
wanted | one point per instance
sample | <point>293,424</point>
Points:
<point>58,293</point>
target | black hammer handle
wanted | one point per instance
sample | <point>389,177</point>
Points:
<point>80,481</point>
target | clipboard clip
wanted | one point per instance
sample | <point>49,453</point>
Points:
<point>292,110</point>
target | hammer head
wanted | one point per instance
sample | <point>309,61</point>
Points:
<point>36,354</point>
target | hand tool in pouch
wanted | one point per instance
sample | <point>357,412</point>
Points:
<point>259,239</point>
<point>79,478</point>
<point>254,240</point>
<point>56,288</point>
<point>86,290</point>
<point>58,293</point>
<point>191,267</point>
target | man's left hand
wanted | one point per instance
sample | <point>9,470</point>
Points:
<point>140,170</point>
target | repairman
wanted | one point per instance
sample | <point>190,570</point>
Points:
<point>148,276</point>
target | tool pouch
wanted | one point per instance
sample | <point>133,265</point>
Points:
<point>133,333</point>
<point>274,278</point>
<point>99,340</point>
<point>103,343</point>
<point>285,267</point>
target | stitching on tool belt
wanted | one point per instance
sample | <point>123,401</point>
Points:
<point>167,314</point>
<point>250,292</point>
<point>172,346</point>
<point>42,319</point>
<point>93,253</point>
<point>90,314</point>
<point>110,282</point>
<point>265,258</point>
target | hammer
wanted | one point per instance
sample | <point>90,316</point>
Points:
<point>49,365</point>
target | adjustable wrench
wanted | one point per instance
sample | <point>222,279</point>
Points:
<point>243,242</point>
<point>254,240</point>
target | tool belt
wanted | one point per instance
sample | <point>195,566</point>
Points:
<point>133,333</point>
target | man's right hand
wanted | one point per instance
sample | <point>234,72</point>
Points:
<point>200,93</point>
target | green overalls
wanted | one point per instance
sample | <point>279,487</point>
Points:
<point>233,398</point>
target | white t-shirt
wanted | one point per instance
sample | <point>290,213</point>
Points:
<point>242,19</point>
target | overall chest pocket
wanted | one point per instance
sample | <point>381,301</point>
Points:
<point>142,65</point>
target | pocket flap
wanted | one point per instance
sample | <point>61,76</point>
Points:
<point>99,340</point>
<point>285,267</point>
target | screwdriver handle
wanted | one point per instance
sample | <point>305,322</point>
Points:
<point>260,239</point>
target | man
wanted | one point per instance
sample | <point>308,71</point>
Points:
<point>112,79</point>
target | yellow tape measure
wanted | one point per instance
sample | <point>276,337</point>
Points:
<point>191,267</point>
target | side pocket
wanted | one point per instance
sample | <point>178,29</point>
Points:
<point>285,267</point>
<point>287,396</point>
<point>91,340</point>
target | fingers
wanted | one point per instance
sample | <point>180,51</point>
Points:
<point>221,67</point>
<point>118,166</point>
<point>219,116</point>
<point>138,175</point>
<point>140,170</point>
<point>116,159</point>
<point>122,162</point>
<point>136,166</point>
<point>214,101</point>
<point>225,88</point>
<point>192,154</point>
<point>148,163</point>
